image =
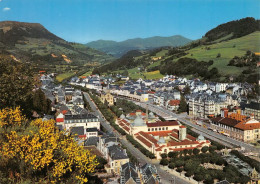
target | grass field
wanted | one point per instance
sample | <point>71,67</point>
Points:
<point>227,49</point>
<point>63,76</point>
<point>88,73</point>
<point>153,75</point>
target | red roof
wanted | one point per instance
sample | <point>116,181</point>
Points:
<point>59,119</point>
<point>184,142</point>
<point>143,140</point>
<point>148,137</point>
<point>138,111</point>
<point>174,102</point>
<point>160,133</point>
<point>163,123</point>
<point>248,126</point>
<point>64,112</point>
<point>182,126</point>
<point>126,128</point>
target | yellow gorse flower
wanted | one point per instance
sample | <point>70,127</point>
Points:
<point>45,147</point>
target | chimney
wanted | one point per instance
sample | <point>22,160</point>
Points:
<point>224,112</point>
<point>182,133</point>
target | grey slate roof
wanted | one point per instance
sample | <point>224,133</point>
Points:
<point>117,153</point>
<point>77,130</point>
<point>91,141</point>
<point>253,105</point>
<point>150,174</point>
<point>128,171</point>
<point>79,116</point>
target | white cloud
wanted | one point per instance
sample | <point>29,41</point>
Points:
<point>0,0</point>
<point>6,9</point>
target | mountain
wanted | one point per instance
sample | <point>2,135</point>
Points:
<point>31,42</point>
<point>223,53</point>
<point>120,48</point>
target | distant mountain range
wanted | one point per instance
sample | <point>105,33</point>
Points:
<point>228,51</point>
<point>120,48</point>
<point>31,42</point>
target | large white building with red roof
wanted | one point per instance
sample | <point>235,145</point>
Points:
<point>159,136</point>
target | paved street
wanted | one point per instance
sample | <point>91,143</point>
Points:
<point>165,176</point>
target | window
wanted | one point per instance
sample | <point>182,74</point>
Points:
<point>163,128</point>
<point>152,129</point>
<point>166,128</point>
<point>155,129</point>
<point>148,129</point>
<point>159,128</point>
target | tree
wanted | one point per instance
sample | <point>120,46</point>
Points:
<point>171,165</point>
<point>179,169</point>
<point>186,90</point>
<point>219,55</point>
<point>183,105</point>
<point>212,149</point>
<point>198,177</point>
<point>196,151</point>
<point>172,154</point>
<point>16,85</point>
<point>204,149</point>
<point>164,155</point>
<point>164,162</point>
<point>40,103</point>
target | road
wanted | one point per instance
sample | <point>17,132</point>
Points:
<point>165,176</point>
<point>205,132</point>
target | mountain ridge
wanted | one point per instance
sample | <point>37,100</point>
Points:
<point>119,48</point>
<point>32,42</point>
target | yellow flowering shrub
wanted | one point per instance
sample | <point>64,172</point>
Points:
<point>47,151</point>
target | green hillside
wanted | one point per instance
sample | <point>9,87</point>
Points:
<point>227,49</point>
<point>32,43</point>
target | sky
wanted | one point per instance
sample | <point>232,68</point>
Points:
<point>88,20</point>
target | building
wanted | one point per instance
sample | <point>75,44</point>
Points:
<point>173,105</point>
<point>133,174</point>
<point>107,97</point>
<point>171,140</point>
<point>135,122</point>
<point>204,106</point>
<point>253,109</point>
<point>236,126</point>
<point>159,136</point>
<point>109,146</point>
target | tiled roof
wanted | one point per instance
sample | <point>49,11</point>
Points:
<point>143,140</point>
<point>163,123</point>
<point>226,121</point>
<point>160,133</point>
<point>148,137</point>
<point>248,126</point>
<point>184,142</point>
<point>174,102</point>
